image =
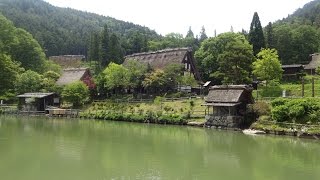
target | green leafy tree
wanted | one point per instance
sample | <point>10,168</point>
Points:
<point>156,81</point>
<point>188,80</point>
<point>51,66</point>
<point>295,42</point>
<point>136,73</point>
<point>226,59</point>
<point>9,73</point>
<point>115,77</point>
<point>51,75</point>
<point>173,74</point>
<point>267,67</point>
<point>20,46</point>
<point>76,93</point>
<point>256,37</point>
<point>49,82</point>
<point>28,81</point>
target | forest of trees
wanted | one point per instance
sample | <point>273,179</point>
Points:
<point>64,30</point>
<point>23,64</point>
<point>298,35</point>
<point>39,29</point>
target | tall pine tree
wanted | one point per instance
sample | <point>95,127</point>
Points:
<point>203,35</point>
<point>116,53</point>
<point>269,34</point>
<point>190,33</point>
<point>256,37</point>
<point>94,47</point>
<point>105,47</point>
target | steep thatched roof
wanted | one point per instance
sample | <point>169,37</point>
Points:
<point>71,75</point>
<point>314,63</point>
<point>230,94</point>
<point>68,61</point>
<point>160,59</point>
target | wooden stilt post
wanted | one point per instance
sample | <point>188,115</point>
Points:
<point>302,89</point>
<point>312,86</point>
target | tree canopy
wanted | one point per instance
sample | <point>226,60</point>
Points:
<point>267,66</point>
<point>76,93</point>
<point>20,46</point>
<point>226,59</point>
<point>9,73</point>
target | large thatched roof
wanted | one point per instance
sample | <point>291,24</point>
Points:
<point>71,75</point>
<point>160,59</point>
<point>314,63</point>
<point>68,61</point>
<point>229,94</point>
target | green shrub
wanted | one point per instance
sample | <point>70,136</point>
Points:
<point>278,102</point>
<point>273,89</point>
<point>296,110</point>
<point>261,108</point>
<point>265,118</point>
<point>280,113</point>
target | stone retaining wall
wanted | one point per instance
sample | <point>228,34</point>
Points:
<point>225,121</point>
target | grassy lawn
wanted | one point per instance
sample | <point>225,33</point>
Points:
<point>184,107</point>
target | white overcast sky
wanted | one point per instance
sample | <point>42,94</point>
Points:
<point>166,16</point>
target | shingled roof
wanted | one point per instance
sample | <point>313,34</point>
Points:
<point>71,75</point>
<point>314,63</point>
<point>230,94</point>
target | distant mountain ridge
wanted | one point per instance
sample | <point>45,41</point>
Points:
<point>309,14</point>
<point>63,31</point>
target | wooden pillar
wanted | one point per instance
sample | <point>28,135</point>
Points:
<point>312,86</point>
<point>302,88</point>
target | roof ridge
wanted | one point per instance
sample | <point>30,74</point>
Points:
<point>160,51</point>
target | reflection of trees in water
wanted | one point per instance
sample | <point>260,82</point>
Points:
<point>115,149</point>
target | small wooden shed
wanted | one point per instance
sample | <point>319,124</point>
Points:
<point>37,102</point>
<point>292,71</point>
<point>227,105</point>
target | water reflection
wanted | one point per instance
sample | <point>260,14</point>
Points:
<point>42,148</point>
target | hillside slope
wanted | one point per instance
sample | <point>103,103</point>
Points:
<point>64,30</point>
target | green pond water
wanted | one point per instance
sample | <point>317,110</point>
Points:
<point>68,149</point>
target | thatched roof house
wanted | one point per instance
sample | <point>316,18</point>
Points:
<point>68,61</point>
<point>162,58</point>
<point>314,63</point>
<point>227,105</point>
<point>76,74</point>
